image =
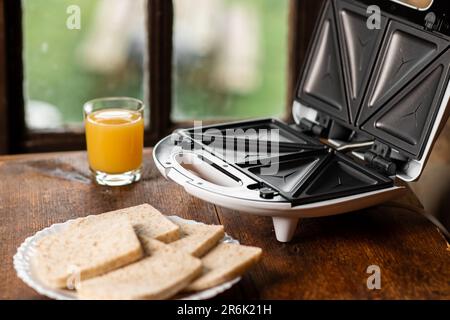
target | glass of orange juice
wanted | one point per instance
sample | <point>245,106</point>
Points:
<point>115,139</point>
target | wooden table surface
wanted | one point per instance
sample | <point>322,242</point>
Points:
<point>327,259</point>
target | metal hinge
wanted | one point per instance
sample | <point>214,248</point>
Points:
<point>379,158</point>
<point>318,128</point>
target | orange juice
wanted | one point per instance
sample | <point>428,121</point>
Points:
<point>115,140</point>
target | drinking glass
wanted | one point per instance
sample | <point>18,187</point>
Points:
<point>115,139</point>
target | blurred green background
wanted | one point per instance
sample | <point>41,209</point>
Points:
<point>59,73</point>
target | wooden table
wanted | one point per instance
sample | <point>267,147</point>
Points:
<point>328,258</point>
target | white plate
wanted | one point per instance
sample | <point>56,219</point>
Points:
<point>26,251</point>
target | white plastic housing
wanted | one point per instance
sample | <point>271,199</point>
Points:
<point>199,180</point>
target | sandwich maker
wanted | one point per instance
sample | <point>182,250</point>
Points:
<point>368,107</point>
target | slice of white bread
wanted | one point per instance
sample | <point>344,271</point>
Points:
<point>224,263</point>
<point>161,275</point>
<point>197,239</point>
<point>88,247</point>
<point>150,223</point>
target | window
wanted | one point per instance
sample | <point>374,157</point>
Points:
<point>230,58</point>
<point>78,50</point>
<point>217,60</point>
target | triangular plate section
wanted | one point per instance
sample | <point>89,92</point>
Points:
<point>288,176</point>
<point>406,52</point>
<point>338,177</point>
<point>360,46</point>
<point>342,177</point>
<point>252,130</point>
<point>322,85</point>
<point>251,156</point>
<point>407,120</point>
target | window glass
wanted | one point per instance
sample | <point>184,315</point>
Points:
<point>77,50</point>
<point>229,58</point>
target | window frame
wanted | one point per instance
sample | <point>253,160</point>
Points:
<point>16,138</point>
<point>4,143</point>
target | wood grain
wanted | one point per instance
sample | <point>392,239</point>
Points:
<point>327,259</point>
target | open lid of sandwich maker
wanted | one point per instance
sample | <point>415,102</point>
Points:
<point>386,81</point>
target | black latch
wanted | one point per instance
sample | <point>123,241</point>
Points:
<point>267,193</point>
<point>183,142</point>
<point>379,158</point>
<point>176,139</point>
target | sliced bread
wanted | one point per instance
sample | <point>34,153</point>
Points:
<point>224,263</point>
<point>197,239</point>
<point>88,247</point>
<point>148,222</point>
<point>161,275</point>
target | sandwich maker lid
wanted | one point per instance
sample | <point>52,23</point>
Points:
<point>390,83</point>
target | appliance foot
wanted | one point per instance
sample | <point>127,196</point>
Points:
<point>285,228</point>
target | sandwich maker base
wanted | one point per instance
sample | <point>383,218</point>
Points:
<point>369,105</point>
